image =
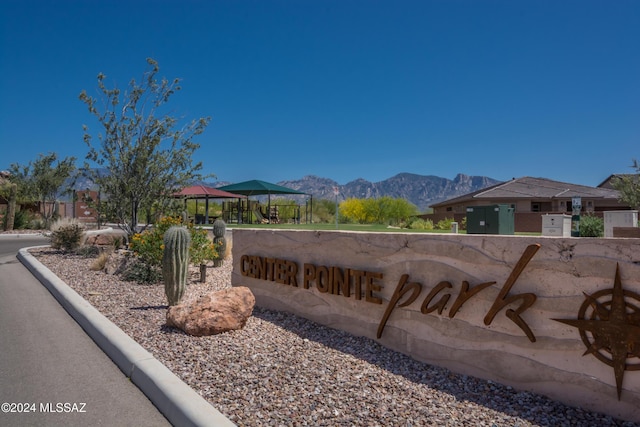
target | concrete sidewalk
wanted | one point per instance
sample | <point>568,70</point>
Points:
<point>180,404</point>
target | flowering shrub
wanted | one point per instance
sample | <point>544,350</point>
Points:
<point>148,245</point>
<point>202,249</point>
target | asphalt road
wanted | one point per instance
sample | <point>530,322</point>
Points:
<point>49,366</point>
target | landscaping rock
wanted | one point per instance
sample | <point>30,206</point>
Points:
<point>117,263</point>
<point>215,313</point>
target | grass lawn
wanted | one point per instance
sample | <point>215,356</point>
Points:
<point>328,227</point>
<point>350,227</point>
<point>332,227</point>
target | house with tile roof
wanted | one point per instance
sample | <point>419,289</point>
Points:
<point>531,198</point>
<point>608,183</point>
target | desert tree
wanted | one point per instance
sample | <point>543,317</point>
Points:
<point>9,191</point>
<point>629,186</point>
<point>379,210</point>
<point>324,210</point>
<point>144,153</point>
<point>388,210</point>
<point>43,180</point>
<point>400,210</point>
<point>352,210</point>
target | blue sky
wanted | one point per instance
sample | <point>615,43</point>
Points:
<point>342,89</point>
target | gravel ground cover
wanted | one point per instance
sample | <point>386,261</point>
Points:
<point>283,370</point>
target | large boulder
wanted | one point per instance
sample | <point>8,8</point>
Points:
<point>101,239</point>
<point>220,311</point>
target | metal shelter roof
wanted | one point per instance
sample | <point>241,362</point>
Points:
<point>256,187</point>
<point>202,191</point>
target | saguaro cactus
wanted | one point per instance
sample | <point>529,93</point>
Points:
<point>219,229</point>
<point>175,262</point>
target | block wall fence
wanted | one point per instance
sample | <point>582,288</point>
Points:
<point>554,316</point>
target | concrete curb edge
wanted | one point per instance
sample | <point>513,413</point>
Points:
<point>178,402</point>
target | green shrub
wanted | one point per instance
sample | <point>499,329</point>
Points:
<point>591,226</point>
<point>21,220</point>
<point>143,273</point>
<point>66,234</point>
<point>420,224</point>
<point>37,224</point>
<point>444,224</point>
<point>409,223</point>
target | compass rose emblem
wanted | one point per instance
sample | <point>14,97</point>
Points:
<point>609,325</point>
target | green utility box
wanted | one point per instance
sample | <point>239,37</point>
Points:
<point>493,219</point>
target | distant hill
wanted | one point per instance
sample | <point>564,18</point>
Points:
<point>421,190</point>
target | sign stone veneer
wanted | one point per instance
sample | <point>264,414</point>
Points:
<point>486,336</point>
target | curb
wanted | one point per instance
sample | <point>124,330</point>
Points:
<point>178,402</point>
<point>21,235</point>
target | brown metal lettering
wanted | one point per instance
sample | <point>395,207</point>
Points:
<point>465,294</point>
<point>527,299</point>
<point>258,267</point>
<point>371,287</point>
<point>358,275</point>
<point>308,275</point>
<point>280,271</point>
<point>398,293</point>
<point>268,272</point>
<point>341,282</point>
<point>244,260</point>
<point>424,309</point>
<point>292,273</point>
<point>322,278</point>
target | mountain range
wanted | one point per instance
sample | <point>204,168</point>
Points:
<point>421,190</point>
